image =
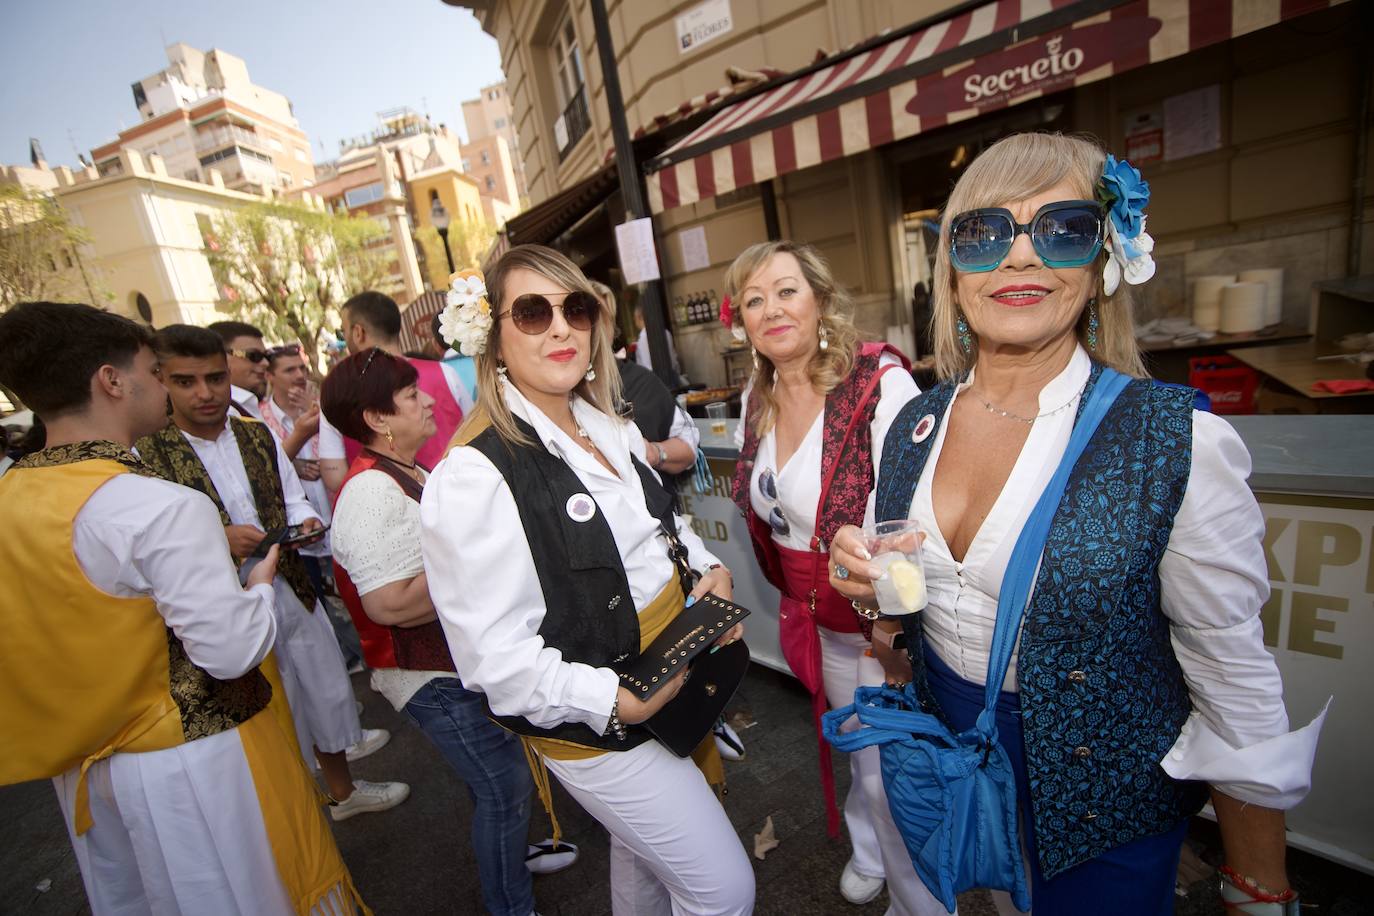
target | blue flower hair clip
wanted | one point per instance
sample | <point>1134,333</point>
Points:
<point>1125,195</point>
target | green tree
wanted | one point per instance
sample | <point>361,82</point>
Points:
<point>40,254</point>
<point>288,267</point>
<point>468,242</point>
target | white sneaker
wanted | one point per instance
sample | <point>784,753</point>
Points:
<point>374,739</point>
<point>727,741</point>
<point>545,858</point>
<point>856,888</point>
<point>369,796</point>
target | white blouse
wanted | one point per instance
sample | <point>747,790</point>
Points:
<point>1213,581</point>
<point>799,480</point>
<point>483,580</point>
<point>377,539</point>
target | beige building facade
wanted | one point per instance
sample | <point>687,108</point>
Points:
<point>488,161</point>
<point>203,111</point>
<point>146,248</point>
<point>491,115</point>
<point>1244,125</point>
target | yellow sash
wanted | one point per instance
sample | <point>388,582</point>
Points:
<point>653,620</point>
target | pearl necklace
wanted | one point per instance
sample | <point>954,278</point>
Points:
<point>993,408</point>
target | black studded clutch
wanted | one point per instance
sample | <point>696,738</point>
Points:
<point>686,642</point>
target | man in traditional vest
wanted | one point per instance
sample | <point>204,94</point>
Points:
<point>373,319</point>
<point>130,660</point>
<point>240,465</point>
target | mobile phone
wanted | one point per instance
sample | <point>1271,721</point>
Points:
<point>297,535</point>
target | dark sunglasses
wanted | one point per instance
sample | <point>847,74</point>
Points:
<point>532,313</point>
<point>1066,233</point>
<point>253,356</point>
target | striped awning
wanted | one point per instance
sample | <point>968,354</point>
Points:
<point>985,58</point>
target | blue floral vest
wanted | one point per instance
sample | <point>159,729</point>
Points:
<point>1102,694</point>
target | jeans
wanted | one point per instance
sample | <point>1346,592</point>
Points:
<point>492,763</point>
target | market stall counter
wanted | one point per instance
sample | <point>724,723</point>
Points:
<point>1313,476</point>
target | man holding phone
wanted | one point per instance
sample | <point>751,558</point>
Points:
<point>242,468</point>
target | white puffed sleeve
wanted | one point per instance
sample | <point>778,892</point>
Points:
<point>1213,581</point>
<point>486,590</point>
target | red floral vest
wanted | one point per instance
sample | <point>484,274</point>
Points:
<point>421,648</point>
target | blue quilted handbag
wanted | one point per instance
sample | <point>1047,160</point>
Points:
<point>953,797</point>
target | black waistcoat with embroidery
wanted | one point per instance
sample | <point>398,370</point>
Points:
<point>589,614</point>
<point>1095,668</point>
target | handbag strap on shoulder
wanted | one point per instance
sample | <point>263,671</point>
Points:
<point>1025,556</point>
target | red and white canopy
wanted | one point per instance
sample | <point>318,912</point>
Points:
<point>992,56</point>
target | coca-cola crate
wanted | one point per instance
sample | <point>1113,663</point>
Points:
<point>1228,383</point>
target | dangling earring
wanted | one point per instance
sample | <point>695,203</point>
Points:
<point>965,339</point>
<point>390,439</point>
<point>754,354</point>
<point>825,339</point>
<point>501,370</point>
<point>591,373</point>
<point>1092,323</point>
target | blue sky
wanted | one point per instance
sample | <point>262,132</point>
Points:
<point>66,66</point>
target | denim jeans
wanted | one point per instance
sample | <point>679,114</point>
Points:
<point>492,763</point>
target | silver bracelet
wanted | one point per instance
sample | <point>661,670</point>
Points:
<point>613,725</point>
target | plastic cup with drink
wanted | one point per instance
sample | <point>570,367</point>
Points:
<point>896,549</point>
<point>717,411</point>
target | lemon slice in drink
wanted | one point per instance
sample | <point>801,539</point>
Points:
<point>910,584</point>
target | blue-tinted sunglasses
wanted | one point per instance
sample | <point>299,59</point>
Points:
<point>1066,233</point>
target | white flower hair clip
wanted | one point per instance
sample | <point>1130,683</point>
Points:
<point>465,322</point>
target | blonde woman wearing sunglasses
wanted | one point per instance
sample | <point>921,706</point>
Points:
<point>1139,675</point>
<point>547,542</point>
<point>815,413</point>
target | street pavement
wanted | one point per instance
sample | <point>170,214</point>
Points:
<point>416,858</point>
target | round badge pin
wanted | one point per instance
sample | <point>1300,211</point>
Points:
<point>924,426</point>
<point>581,507</point>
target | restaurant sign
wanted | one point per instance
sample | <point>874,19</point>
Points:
<point>1040,66</point>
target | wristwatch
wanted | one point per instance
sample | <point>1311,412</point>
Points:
<point>662,455</point>
<point>893,640</point>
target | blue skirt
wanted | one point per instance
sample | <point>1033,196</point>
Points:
<point>1136,879</point>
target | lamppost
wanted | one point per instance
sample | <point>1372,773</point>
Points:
<point>439,217</point>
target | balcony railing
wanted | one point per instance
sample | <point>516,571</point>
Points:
<point>572,124</point>
<point>227,136</point>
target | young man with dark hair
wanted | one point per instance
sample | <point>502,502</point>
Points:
<point>240,465</point>
<point>247,365</point>
<point>372,319</point>
<point>131,652</point>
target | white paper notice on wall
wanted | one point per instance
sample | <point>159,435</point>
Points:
<point>1192,123</point>
<point>694,253</point>
<point>634,240</point>
<point>702,23</point>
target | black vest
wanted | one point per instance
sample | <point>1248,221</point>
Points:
<point>589,615</point>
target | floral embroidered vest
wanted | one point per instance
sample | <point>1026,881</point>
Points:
<point>1095,667</point>
<point>172,458</point>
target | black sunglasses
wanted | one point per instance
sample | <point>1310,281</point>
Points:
<point>532,313</point>
<point>253,356</point>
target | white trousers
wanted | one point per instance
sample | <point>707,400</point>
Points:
<point>878,847</point>
<point>673,850</point>
<point>175,831</point>
<point>316,680</point>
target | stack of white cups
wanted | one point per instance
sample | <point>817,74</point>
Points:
<point>1207,300</point>
<point>1272,278</point>
<point>1242,307</point>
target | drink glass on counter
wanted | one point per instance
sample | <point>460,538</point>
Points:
<point>896,549</point>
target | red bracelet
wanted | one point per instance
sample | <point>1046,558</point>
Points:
<point>1257,893</point>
